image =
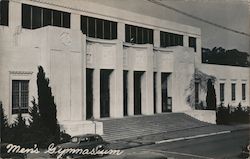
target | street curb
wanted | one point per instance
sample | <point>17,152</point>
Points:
<point>192,137</point>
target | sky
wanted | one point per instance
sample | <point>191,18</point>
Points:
<point>234,14</point>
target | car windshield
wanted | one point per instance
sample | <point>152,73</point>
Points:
<point>74,139</point>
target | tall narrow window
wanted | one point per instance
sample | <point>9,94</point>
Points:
<point>233,91</point>
<point>36,17</point>
<point>99,27</point>
<point>222,92</point>
<point>57,21</point>
<point>20,96</point>
<point>84,25</point>
<point>243,91</point>
<point>47,14</point>
<point>26,16</point>
<point>4,13</point>
<point>197,85</point>
<point>192,43</point>
<point>66,20</point>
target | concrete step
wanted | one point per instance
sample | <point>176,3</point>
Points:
<point>127,127</point>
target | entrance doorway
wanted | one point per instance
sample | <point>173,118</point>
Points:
<point>89,93</point>
<point>105,93</point>
<point>166,101</point>
<point>125,93</point>
<point>137,92</point>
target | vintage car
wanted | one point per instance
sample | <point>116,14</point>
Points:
<point>83,142</point>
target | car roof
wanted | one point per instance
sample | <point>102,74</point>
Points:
<point>86,135</point>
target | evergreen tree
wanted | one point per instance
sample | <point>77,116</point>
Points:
<point>3,122</point>
<point>34,115</point>
<point>47,106</point>
<point>211,96</point>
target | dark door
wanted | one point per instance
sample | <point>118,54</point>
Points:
<point>89,93</point>
<point>164,90</point>
<point>154,91</point>
<point>105,93</point>
<point>125,93</point>
<point>137,92</point>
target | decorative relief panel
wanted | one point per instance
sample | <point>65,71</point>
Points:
<point>108,58</point>
<point>141,58</point>
<point>66,39</point>
<point>89,53</point>
<point>125,57</point>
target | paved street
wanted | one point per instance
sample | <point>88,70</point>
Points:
<point>218,146</point>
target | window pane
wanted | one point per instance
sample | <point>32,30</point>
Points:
<point>145,35</point>
<point>107,30</point>
<point>243,91</point>
<point>151,36</point>
<point>15,94</point>
<point>197,93</point>
<point>57,18</point>
<point>133,34</point>
<point>139,35</point>
<point>91,27</point>
<point>84,24</point>
<point>192,43</point>
<point>233,91</point>
<point>99,27</point>
<point>127,33</point>
<point>36,17</point>
<point>222,92</point>
<point>162,39</point>
<point>4,13</point>
<point>24,94</point>
<point>47,17</point>
<point>26,16</point>
<point>66,20</point>
<point>114,30</point>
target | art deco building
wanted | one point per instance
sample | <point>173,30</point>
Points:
<point>105,62</point>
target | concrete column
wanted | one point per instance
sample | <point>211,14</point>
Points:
<point>185,41</point>
<point>75,21</point>
<point>148,85</point>
<point>116,94</point>
<point>157,40</point>
<point>147,101</point>
<point>96,93</point>
<point>116,84</point>
<point>198,51</point>
<point>130,92</point>
<point>158,92</point>
<point>15,14</point>
<point>121,31</point>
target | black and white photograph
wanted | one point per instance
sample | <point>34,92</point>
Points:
<point>125,79</point>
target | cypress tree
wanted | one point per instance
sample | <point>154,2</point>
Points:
<point>211,96</point>
<point>47,106</point>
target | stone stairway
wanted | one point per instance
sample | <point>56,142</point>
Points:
<point>127,127</point>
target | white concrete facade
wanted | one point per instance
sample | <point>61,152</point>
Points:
<point>65,54</point>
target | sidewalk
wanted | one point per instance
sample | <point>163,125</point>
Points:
<point>172,135</point>
<point>185,134</point>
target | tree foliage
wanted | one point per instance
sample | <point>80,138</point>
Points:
<point>211,96</point>
<point>219,55</point>
<point>47,106</point>
<point>202,78</point>
<point>3,122</point>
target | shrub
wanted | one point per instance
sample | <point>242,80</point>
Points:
<point>224,115</point>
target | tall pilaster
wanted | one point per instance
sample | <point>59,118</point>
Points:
<point>96,93</point>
